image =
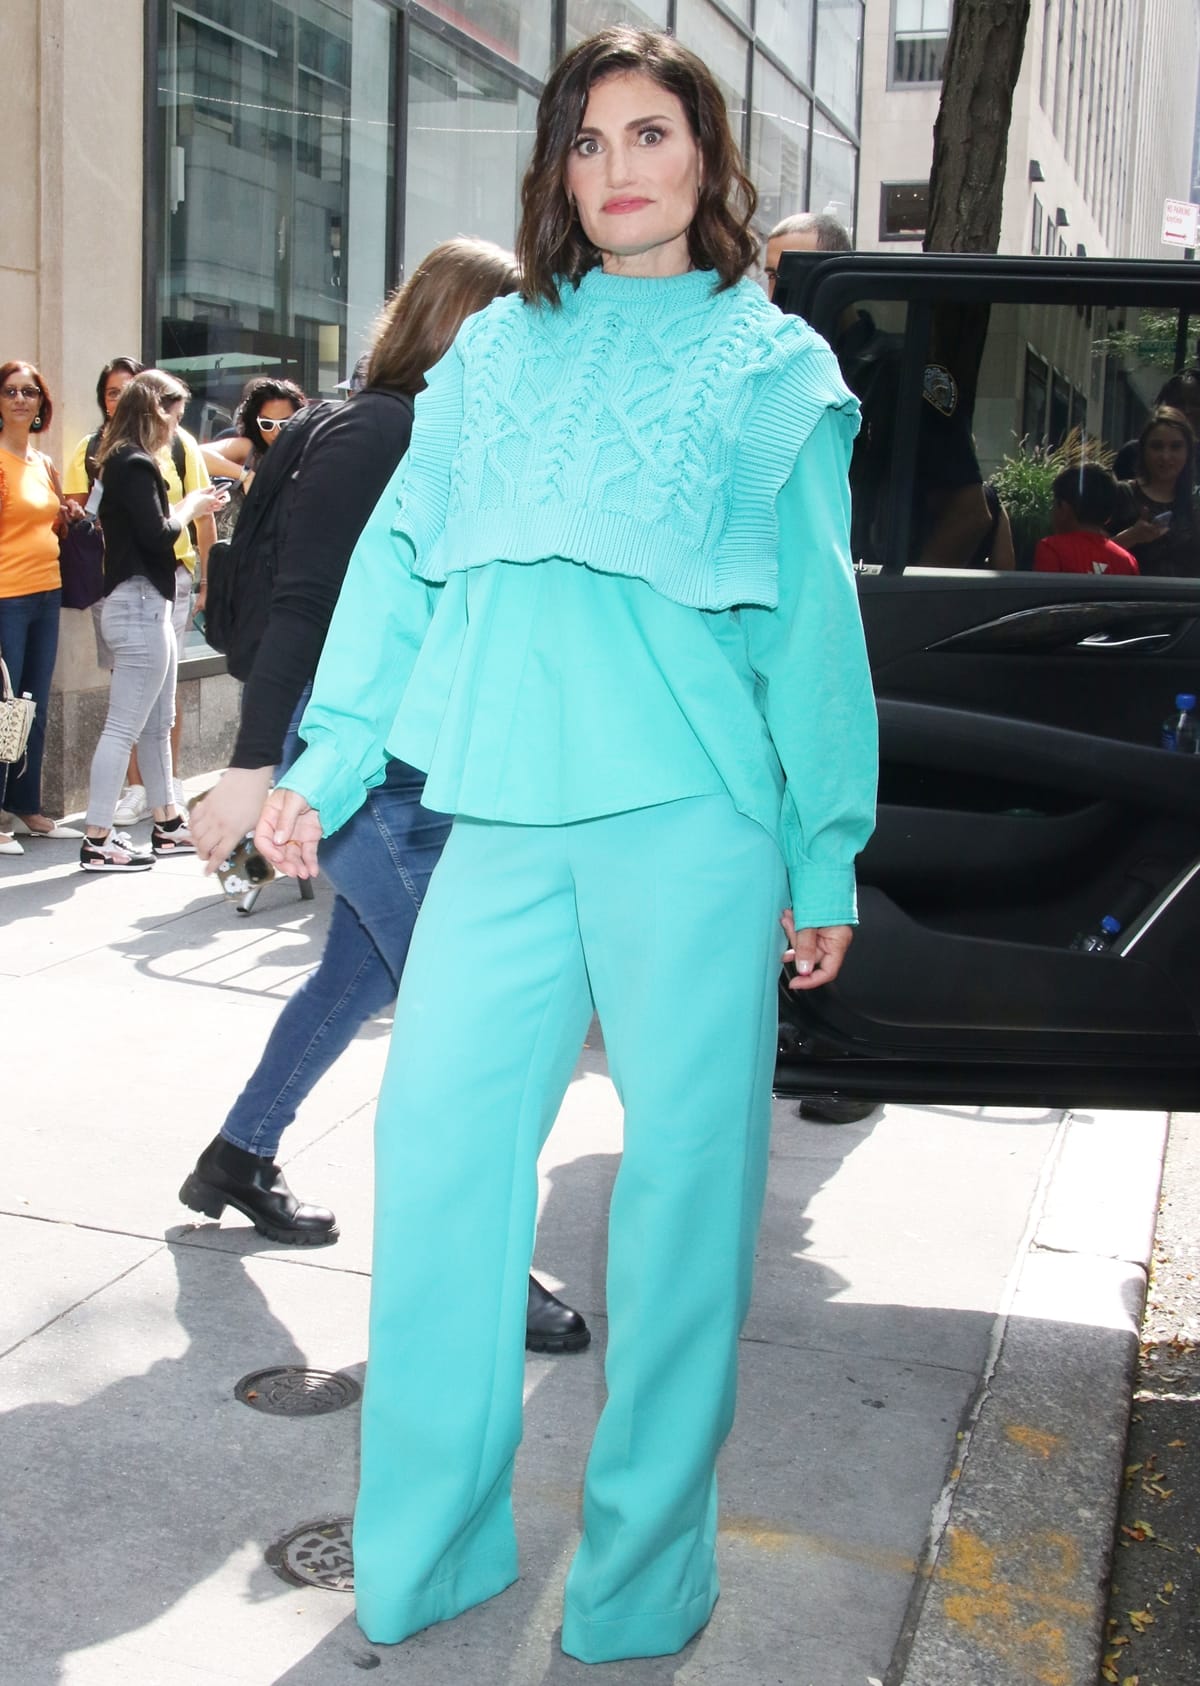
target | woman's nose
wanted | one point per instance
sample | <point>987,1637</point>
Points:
<point>620,166</point>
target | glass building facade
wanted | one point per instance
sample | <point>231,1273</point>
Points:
<point>303,155</point>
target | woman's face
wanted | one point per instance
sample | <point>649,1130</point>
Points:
<point>114,386</point>
<point>1165,453</point>
<point>273,414</point>
<point>634,176</point>
<point>20,410</point>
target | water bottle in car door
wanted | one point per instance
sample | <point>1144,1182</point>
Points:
<point>1179,729</point>
<point>1100,940</point>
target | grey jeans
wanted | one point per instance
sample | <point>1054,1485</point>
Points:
<point>136,624</point>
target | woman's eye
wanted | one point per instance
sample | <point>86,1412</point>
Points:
<point>586,146</point>
<point>650,137</point>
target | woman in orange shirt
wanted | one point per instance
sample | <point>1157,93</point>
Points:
<point>30,585</point>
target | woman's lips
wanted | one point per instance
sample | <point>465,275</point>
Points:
<point>620,207</point>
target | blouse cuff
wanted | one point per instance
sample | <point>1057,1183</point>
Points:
<point>328,784</point>
<point>822,895</point>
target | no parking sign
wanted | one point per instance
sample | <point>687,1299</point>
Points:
<point>1179,222</point>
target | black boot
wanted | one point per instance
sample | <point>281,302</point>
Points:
<point>551,1326</point>
<point>226,1175</point>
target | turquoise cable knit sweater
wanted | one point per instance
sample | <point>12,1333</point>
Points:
<point>645,427</point>
<point>613,571</point>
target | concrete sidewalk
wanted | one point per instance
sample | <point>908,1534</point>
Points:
<point>921,1482</point>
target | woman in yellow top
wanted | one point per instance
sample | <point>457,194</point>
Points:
<point>30,585</point>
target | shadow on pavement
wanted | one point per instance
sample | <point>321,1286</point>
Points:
<point>847,1431</point>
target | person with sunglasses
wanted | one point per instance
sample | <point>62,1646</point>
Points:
<point>267,406</point>
<point>31,516</point>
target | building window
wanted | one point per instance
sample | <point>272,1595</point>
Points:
<point>786,27</point>
<point>520,33</point>
<point>585,17</point>
<point>839,55</point>
<point>903,210</point>
<point>833,172</point>
<point>1035,237</point>
<point>780,123</point>
<point>470,128</point>
<point>919,40</point>
<point>723,48</point>
<point>276,195</point>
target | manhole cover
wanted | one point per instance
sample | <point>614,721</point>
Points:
<point>287,1390</point>
<point>316,1554</point>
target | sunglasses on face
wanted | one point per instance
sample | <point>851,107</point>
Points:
<point>22,392</point>
<point>266,425</point>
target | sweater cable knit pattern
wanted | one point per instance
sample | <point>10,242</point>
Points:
<point>644,428</point>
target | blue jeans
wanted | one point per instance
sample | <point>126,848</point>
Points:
<point>136,622</point>
<point>29,645</point>
<point>379,864</point>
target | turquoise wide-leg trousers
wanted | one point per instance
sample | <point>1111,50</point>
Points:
<point>666,920</point>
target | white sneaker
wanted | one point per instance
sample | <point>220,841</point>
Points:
<point>114,853</point>
<point>133,806</point>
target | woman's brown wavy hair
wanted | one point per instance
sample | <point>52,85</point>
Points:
<point>421,318</point>
<point>551,245</point>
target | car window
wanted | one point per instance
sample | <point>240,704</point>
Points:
<point>976,407</point>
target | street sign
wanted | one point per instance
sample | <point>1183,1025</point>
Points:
<point>1179,222</point>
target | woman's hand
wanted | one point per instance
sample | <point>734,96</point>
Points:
<point>1142,531</point>
<point>73,510</point>
<point>288,832</point>
<point>227,812</point>
<point>816,952</point>
<point>205,500</point>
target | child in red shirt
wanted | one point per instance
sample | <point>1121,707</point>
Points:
<point>1085,500</point>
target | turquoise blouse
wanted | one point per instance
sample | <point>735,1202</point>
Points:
<point>550,692</point>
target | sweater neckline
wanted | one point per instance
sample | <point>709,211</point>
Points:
<point>647,294</point>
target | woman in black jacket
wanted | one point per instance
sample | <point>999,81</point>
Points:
<point>140,529</point>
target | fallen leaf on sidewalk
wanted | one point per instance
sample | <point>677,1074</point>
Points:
<point>1140,1531</point>
<point>1140,1620</point>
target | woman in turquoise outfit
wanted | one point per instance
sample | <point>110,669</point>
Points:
<point>606,603</point>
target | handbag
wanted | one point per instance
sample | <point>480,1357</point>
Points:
<point>81,562</point>
<point>16,719</point>
<point>80,556</point>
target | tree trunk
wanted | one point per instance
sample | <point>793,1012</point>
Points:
<point>970,137</point>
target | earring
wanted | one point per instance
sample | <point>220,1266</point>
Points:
<point>36,424</point>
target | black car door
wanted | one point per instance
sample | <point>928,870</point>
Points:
<point>1025,794</point>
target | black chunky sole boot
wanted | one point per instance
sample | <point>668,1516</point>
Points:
<point>226,1175</point>
<point>551,1326</point>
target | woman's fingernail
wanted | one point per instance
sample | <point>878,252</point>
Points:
<point>804,967</point>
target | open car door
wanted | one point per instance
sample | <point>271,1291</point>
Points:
<point>1025,793</point>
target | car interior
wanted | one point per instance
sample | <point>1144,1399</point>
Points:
<point>1025,792</point>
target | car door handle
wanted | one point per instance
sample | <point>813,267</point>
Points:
<point>1146,641</point>
<point>1061,624</point>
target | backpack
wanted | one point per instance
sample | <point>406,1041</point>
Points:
<point>241,570</point>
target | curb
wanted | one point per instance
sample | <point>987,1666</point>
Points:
<point>1013,1586</point>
